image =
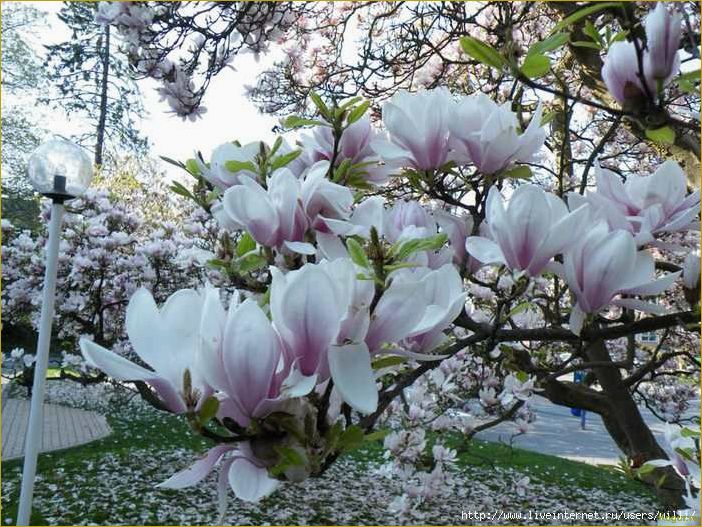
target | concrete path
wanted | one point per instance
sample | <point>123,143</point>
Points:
<point>63,427</point>
<point>557,432</point>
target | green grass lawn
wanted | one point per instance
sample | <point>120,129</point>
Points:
<point>158,432</point>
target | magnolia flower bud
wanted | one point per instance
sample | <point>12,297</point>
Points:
<point>691,278</point>
<point>663,35</point>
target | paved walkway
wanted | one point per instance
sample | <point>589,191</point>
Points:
<point>63,427</point>
<point>558,433</point>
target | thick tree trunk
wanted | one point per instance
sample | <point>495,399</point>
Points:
<point>102,119</point>
<point>627,427</point>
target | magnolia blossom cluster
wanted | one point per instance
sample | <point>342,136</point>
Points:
<point>684,451</point>
<point>440,401</point>
<point>351,290</point>
<point>629,79</point>
<point>107,252</point>
<point>181,74</point>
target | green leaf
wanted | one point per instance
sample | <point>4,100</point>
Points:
<point>276,146</point>
<point>482,52</point>
<point>341,170</point>
<point>548,117</point>
<point>294,121</point>
<point>216,263</point>
<point>357,112</point>
<point>536,66</point>
<point>348,104</point>
<point>192,167</point>
<point>645,469</point>
<point>287,458</point>
<point>208,409</point>
<point>518,172</point>
<point>688,81</point>
<point>402,250</point>
<point>172,162</point>
<point>619,36</point>
<point>285,159</point>
<point>519,308</point>
<point>582,13</point>
<point>549,44</point>
<point>401,265</point>
<point>357,254</point>
<point>591,31</point>
<point>351,438</point>
<point>387,361</point>
<point>586,44</point>
<point>522,376</point>
<point>664,135</point>
<point>235,166</point>
<point>377,435</point>
<point>181,190</point>
<point>357,180</point>
<point>246,244</point>
<point>251,262</point>
<point>319,103</point>
<point>689,432</point>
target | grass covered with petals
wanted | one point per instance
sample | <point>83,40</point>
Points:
<point>112,481</point>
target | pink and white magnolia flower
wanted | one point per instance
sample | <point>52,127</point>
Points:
<point>407,220</point>
<point>418,128</point>
<point>444,299</point>
<point>217,172</point>
<point>486,134</point>
<point>239,467</point>
<point>355,145</point>
<point>661,61</point>
<point>417,306</point>
<point>663,30</point>
<point>274,216</point>
<point>533,228</point>
<point>321,323</point>
<point>165,339</point>
<point>644,205</point>
<point>603,265</point>
<point>620,73</point>
<point>457,228</point>
<point>241,356</point>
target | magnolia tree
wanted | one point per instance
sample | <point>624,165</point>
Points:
<point>109,249</point>
<point>431,273</point>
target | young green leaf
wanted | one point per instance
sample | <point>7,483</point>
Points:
<point>294,121</point>
<point>536,66</point>
<point>549,44</point>
<point>235,166</point>
<point>664,135</point>
<point>357,112</point>
<point>518,172</point>
<point>351,438</point>
<point>246,244</point>
<point>483,52</point>
<point>319,103</point>
<point>208,409</point>
<point>582,13</point>
<point>284,159</point>
<point>357,254</point>
<point>251,262</point>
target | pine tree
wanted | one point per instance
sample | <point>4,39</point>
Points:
<point>94,82</point>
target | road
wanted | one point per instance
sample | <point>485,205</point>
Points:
<point>556,431</point>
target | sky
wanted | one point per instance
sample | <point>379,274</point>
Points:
<point>230,114</point>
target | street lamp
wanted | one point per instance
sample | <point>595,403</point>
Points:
<point>59,170</point>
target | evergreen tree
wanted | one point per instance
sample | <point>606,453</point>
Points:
<point>93,82</point>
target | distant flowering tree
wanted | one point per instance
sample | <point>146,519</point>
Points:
<point>429,275</point>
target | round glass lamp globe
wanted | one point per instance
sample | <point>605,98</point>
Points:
<point>60,169</point>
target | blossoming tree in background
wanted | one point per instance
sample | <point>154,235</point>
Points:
<point>432,271</point>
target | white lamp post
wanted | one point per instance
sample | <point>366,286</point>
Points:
<point>60,170</point>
